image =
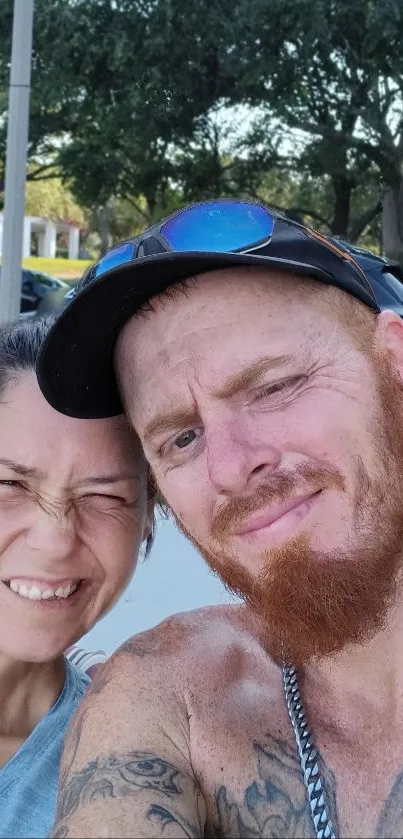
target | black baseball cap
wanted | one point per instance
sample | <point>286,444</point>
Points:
<point>76,368</point>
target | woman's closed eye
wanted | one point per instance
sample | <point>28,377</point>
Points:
<point>99,501</point>
<point>8,486</point>
<point>14,492</point>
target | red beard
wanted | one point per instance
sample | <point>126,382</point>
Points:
<point>312,604</point>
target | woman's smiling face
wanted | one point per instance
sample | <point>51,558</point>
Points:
<point>73,508</point>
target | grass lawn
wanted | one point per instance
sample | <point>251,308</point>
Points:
<point>65,269</point>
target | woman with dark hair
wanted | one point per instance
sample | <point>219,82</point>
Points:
<point>73,514</point>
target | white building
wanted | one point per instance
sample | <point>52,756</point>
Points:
<point>46,232</point>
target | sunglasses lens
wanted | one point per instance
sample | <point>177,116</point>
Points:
<point>117,256</point>
<point>220,226</point>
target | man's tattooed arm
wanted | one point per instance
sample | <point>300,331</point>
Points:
<point>126,768</point>
<point>153,798</point>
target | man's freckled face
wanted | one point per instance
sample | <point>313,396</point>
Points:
<point>238,379</point>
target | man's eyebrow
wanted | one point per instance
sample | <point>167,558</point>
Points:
<point>246,378</point>
<point>235,383</point>
<point>20,469</point>
<point>167,422</point>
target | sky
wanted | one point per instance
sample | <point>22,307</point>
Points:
<point>172,579</point>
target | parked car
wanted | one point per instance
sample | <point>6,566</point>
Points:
<point>56,300</point>
<point>35,285</point>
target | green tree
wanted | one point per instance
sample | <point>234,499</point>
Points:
<point>56,84</point>
<point>332,75</point>
<point>130,100</point>
<point>53,200</point>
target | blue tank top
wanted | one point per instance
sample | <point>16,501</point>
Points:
<point>29,780</point>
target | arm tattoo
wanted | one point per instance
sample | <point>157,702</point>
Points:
<point>119,776</point>
<point>275,804</point>
<point>161,816</point>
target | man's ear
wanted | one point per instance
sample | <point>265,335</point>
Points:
<point>389,337</point>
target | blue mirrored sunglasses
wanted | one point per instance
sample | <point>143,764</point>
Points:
<point>216,226</point>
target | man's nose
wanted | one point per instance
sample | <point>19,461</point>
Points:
<point>236,460</point>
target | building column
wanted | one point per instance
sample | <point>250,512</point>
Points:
<point>49,245</point>
<point>26,240</point>
<point>74,243</point>
<point>41,243</point>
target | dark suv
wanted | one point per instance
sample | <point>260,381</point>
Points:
<point>35,286</point>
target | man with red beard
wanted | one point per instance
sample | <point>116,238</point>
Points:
<point>266,388</point>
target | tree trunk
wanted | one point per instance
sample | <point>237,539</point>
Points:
<point>359,224</point>
<point>392,223</point>
<point>102,217</point>
<point>342,187</point>
<point>151,203</point>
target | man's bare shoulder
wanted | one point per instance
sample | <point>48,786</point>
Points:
<point>206,641</point>
<point>144,736</point>
<point>183,630</point>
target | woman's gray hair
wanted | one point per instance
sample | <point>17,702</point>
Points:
<point>20,344</point>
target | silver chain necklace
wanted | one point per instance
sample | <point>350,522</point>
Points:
<point>307,755</point>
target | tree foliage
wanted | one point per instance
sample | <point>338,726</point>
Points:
<point>53,200</point>
<point>156,102</point>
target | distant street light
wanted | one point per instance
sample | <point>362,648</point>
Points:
<point>16,160</point>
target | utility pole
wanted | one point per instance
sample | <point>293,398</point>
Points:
<point>16,160</point>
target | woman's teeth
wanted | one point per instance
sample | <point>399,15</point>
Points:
<point>35,593</point>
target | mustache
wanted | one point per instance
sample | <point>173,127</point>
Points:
<point>274,489</point>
